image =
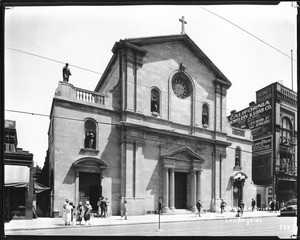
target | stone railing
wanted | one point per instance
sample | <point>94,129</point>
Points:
<point>89,96</point>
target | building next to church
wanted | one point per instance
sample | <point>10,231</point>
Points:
<point>18,176</point>
<point>154,127</point>
<point>273,122</point>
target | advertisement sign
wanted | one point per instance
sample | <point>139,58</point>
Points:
<point>257,117</point>
<point>10,124</point>
<point>262,144</point>
<point>262,169</point>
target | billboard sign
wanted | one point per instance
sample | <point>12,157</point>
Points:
<point>263,144</point>
<point>257,117</point>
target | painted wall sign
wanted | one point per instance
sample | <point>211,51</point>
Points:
<point>262,144</point>
<point>257,117</point>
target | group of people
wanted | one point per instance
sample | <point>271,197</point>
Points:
<point>103,207</point>
<point>73,215</point>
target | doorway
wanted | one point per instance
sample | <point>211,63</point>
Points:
<point>237,192</point>
<point>180,190</point>
<point>90,188</point>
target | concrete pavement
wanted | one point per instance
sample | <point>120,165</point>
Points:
<point>52,223</point>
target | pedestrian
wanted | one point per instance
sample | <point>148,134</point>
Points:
<point>222,205</point>
<point>72,211</point>
<point>87,213</point>
<point>282,205</point>
<point>66,73</point>
<point>253,204</point>
<point>67,212</point>
<point>199,206</point>
<point>277,206</point>
<point>79,212</point>
<point>124,208</point>
<point>271,205</point>
<point>103,206</point>
<point>107,207</point>
<point>241,206</point>
<point>99,206</point>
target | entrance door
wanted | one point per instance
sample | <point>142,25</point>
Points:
<point>89,188</point>
<point>258,200</point>
<point>180,190</point>
<point>237,192</point>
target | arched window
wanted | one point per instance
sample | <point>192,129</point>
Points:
<point>237,157</point>
<point>155,101</point>
<point>205,115</point>
<point>90,134</point>
<point>286,130</point>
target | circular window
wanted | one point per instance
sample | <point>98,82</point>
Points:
<point>181,86</point>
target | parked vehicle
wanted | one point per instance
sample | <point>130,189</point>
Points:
<point>290,209</point>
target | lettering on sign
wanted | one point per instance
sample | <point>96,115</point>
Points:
<point>151,137</point>
<point>262,144</point>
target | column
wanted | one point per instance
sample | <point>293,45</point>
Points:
<point>172,189</point>
<point>198,185</point>
<point>165,189</point>
<point>193,190</point>
<point>129,172</point>
<point>76,194</point>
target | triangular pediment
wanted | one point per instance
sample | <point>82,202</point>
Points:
<point>188,42</point>
<point>137,45</point>
<point>184,153</point>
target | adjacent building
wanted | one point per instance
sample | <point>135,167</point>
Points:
<point>273,122</point>
<point>18,176</point>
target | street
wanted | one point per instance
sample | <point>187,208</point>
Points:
<point>283,227</point>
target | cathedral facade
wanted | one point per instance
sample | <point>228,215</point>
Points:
<point>154,128</point>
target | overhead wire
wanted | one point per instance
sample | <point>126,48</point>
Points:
<point>116,124</point>
<point>139,84</point>
<point>244,30</point>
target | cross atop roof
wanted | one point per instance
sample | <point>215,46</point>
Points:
<point>182,24</point>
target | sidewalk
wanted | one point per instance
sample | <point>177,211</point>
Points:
<point>52,223</point>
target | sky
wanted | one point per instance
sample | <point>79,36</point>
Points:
<point>250,44</point>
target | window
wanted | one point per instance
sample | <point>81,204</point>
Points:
<point>286,130</point>
<point>205,115</point>
<point>237,157</point>
<point>181,85</point>
<point>155,101</point>
<point>90,134</point>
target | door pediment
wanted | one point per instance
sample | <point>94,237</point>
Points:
<point>184,153</point>
<point>183,158</point>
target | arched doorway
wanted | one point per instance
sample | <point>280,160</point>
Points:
<point>88,187</point>
<point>237,187</point>
<point>258,200</point>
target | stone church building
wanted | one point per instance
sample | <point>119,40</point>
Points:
<point>155,127</point>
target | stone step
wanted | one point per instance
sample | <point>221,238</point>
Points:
<point>183,211</point>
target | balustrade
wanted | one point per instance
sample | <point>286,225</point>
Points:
<point>91,97</point>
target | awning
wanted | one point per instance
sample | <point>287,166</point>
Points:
<point>16,176</point>
<point>38,188</point>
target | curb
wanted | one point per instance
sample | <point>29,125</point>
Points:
<point>138,223</point>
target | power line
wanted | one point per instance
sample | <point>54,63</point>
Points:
<point>50,59</point>
<point>115,124</point>
<point>139,84</point>
<point>248,33</point>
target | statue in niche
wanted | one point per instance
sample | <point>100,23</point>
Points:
<point>205,117</point>
<point>89,140</point>
<point>154,105</point>
<point>237,160</point>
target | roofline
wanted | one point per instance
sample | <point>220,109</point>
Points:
<point>156,39</point>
